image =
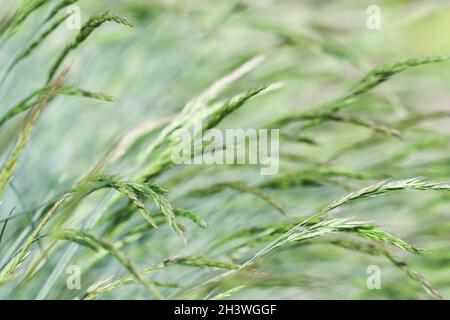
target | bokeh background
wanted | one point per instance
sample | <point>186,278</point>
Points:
<point>174,52</point>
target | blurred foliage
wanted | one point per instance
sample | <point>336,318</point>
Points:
<point>174,52</point>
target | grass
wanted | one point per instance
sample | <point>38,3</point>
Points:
<point>96,187</point>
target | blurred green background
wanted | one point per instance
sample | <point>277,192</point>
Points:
<point>175,51</point>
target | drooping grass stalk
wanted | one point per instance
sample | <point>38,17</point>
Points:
<point>311,228</point>
<point>134,191</point>
<point>195,218</point>
<point>385,72</point>
<point>385,187</point>
<point>283,234</point>
<point>211,117</point>
<point>199,104</point>
<point>33,99</point>
<point>371,80</point>
<point>85,31</point>
<point>236,103</point>
<point>137,191</point>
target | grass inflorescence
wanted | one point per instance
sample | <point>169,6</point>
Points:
<point>119,210</point>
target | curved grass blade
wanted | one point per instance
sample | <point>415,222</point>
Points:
<point>195,218</point>
<point>385,187</point>
<point>137,192</point>
<point>33,99</point>
<point>371,80</point>
<point>86,30</point>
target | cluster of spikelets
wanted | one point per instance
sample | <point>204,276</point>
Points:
<point>154,160</point>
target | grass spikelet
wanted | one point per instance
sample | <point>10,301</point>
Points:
<point>76,92</point>
<point>200,102</point>
<point>191,216</point>
<point>203,262</point>
<point>372,79</point>
<point>84,33</point>
<point>304,231</point>
<point>234,104</point>
<point>137,192</point>
<point>371,233</point>
<point>313,227</point>
<point>214,116</point>
<point>384,72</point>
<point>158,196</point>
<point>387,186</point>
<point>111,211</point>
